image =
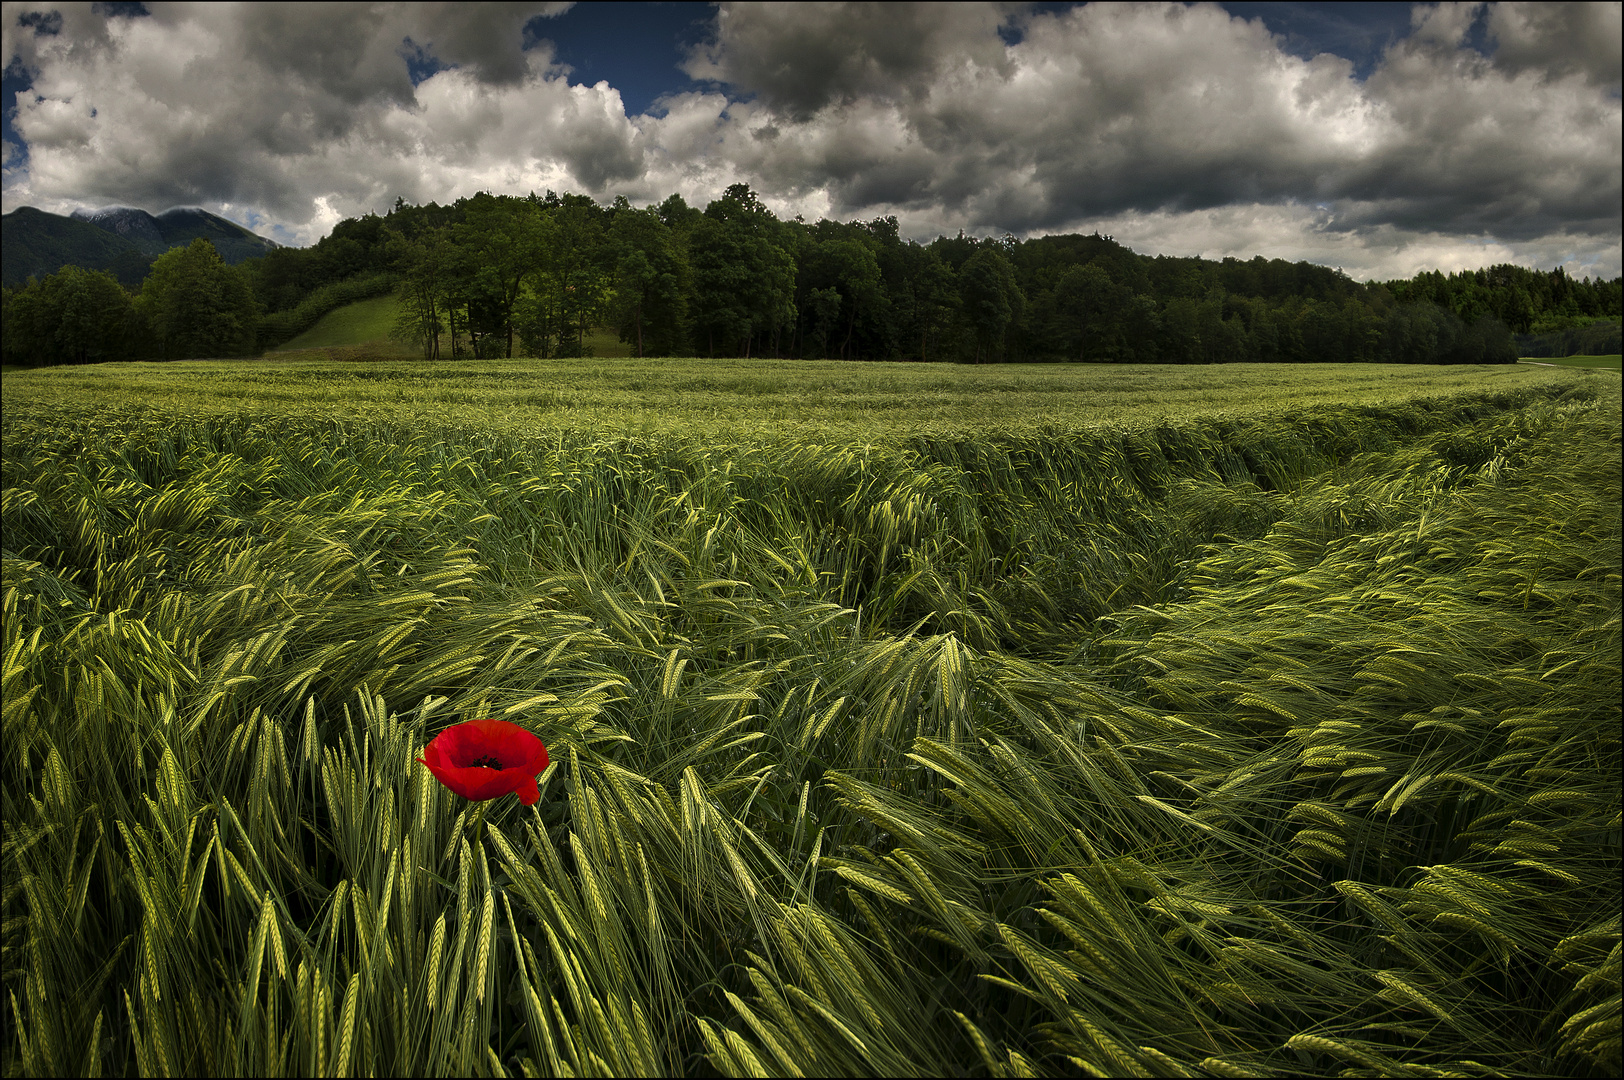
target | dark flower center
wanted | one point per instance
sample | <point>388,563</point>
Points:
<point>485,762</point>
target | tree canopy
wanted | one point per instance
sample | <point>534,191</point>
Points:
<point>499,275</point>
<point>198,306</point>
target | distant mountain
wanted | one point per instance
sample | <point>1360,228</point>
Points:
<point>134,225</point>
<point>34,244</point>
<point>119,239</point>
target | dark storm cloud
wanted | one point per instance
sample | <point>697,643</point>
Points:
<point>486,39</point>
<point>1553,40</point>
<point>1475,145</point>
<point>801,58</point>
<point>1108,109</point>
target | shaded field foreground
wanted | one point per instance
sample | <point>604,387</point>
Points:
<point>1282,745</point>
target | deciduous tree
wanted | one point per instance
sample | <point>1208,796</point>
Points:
<point>74,316</point>
<point>197,305</point>
<point>992,303</point>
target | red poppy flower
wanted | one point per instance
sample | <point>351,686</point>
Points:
<point>486,759</point>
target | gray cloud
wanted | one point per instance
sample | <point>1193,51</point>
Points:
<point>274,106</point>
<point>486,39</point>
<point>1115,109</point>
<point>1553,40</point>
<point>1142,120</point>
<point>1473,146</point>
<point>801,58</point>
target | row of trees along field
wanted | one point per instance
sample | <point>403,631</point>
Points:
<point>190,304</point>
<point>493,276</point>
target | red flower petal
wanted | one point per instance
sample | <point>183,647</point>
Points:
<point>486,759</point>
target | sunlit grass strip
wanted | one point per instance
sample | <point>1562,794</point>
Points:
<point>774,401</point>
<point>1607,363</point>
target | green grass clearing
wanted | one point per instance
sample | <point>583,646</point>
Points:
<point>368,322</point>
<point>361,323</point>
<point>606,343</point>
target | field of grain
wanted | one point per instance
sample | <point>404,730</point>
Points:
<point>903,720</point>
<point>747,401</point>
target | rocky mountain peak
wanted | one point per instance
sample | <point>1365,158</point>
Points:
<point>128,222</point>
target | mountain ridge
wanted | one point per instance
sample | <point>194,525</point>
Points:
<point>120,239</point>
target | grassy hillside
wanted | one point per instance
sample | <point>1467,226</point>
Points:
<point>367,322</point>
<point>606,343</point>
<point>362,323</point>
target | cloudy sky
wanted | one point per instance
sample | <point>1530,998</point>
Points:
<point>1381,138</point>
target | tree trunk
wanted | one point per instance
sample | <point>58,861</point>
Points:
<point>432,346</point>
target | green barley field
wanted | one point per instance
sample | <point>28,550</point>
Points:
<point>904,720</point>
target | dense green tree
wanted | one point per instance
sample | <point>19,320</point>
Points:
<point>838,261</point>
<point>726,261</point>
<point>74,316</point>
<point>1223,337</point>
<point>1143,331</point>
<point>198,306</point>
<point>744,274</point>
<point>677,214</point>
<point>493,273</point>
<point>955,251</point>
<point>1525,300</point>
<point>652,281</point>
<point>924,299</point>
<point>504,237</point>
<point>1181,332</point>
<point>992,304</point>
<point>1088,309</point>
<point>821,311</point>
<point>426,267</point>
<point>572,286</point>
<point>1602,337</point>
<point>281,278</point>
<point>1323,331</point>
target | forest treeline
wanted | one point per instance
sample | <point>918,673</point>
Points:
<point>492,276</point>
